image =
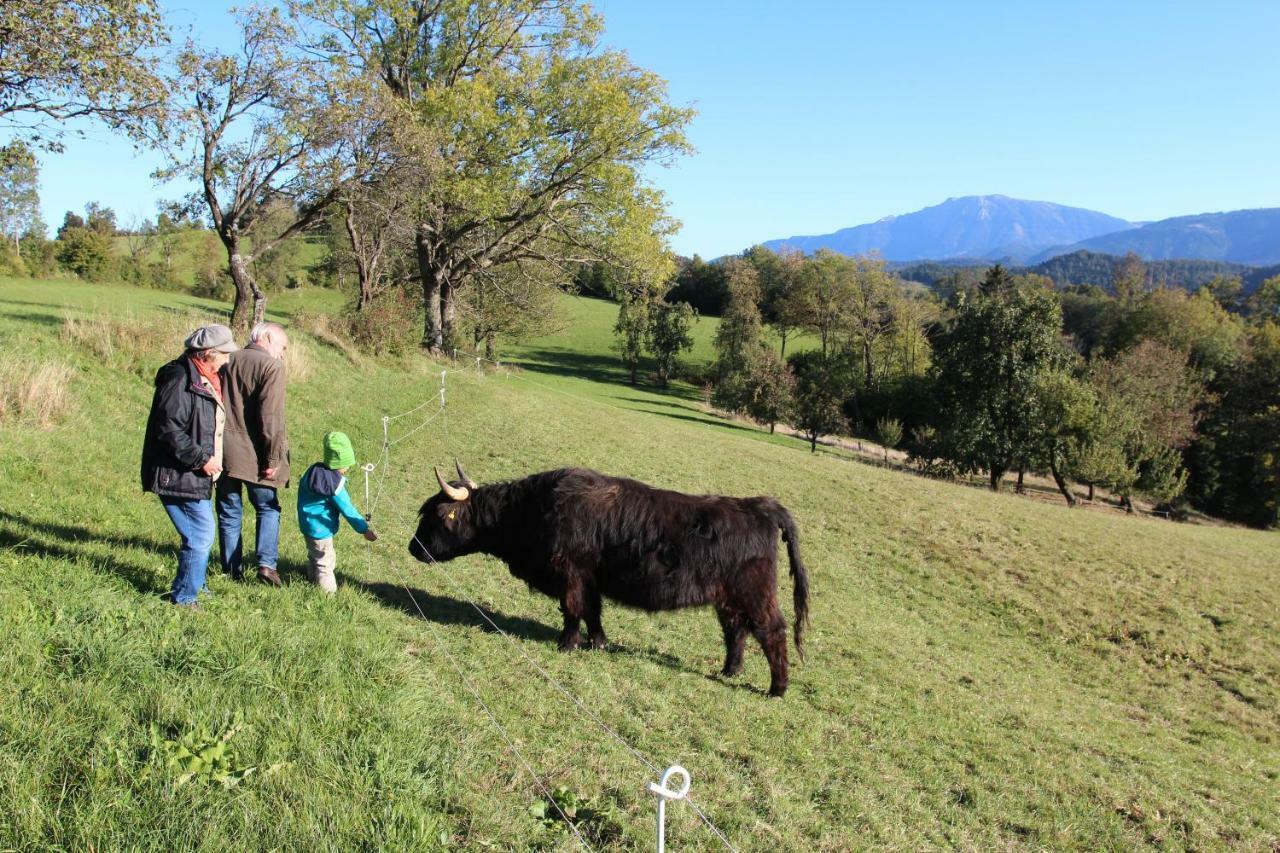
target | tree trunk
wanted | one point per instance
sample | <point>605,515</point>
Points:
<point>996,475</point>
<point>366,268</point>
<point>250,303</point>
<point>432,334</point>
<point>1091,493</point>
<point>866,358</point>
<point>448,313</point>
<point>1127,504</point>
<point>1057,478</point>
<point>1022,472</point>
<point>783,354</point>
<point>813,442</point>
<point>771,426</point>
<point>488,347</point>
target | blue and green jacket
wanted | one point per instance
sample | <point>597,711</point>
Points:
<point>322,497</point>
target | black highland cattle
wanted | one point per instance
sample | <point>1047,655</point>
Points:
<point>580,536</point>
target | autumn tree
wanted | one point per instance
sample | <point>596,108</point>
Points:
<point>257,130</point>
<point>75,59</point>
<point>540,133</point>
<point>1156,397</point>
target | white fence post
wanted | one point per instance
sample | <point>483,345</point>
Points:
<point>664,793</point>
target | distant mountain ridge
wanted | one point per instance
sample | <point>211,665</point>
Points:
<point>1249,237</point>
<point>991,227</point>
<point>999,228</point>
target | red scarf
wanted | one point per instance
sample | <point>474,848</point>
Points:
<point>208,372</point>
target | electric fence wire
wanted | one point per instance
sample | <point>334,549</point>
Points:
<point>382,466</point>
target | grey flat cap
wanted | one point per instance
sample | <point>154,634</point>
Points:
<point>214,336</point>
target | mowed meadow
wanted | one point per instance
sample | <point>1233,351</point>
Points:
<point>982,671</point>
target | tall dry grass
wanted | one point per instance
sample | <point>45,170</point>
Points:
<point>34,394</point>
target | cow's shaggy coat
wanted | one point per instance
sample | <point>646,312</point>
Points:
<point>577,535</point>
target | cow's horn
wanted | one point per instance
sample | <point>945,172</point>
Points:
<point>462,475</point>
<point>453,492</point>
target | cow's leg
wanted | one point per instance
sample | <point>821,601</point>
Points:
<point>735,638</point>
<point>595,630</point>
<point>571,607</point>
<point>770,628</point>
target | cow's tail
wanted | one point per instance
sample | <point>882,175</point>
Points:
<point>799,577</point>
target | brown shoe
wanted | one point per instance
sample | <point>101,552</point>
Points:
<point>268,575</point>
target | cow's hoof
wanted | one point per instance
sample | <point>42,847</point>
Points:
<point>568,644</point>
<point>598,641</point>
<point>775,692</point>
<point>731,671</point>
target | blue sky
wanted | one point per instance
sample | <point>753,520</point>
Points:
<point>820,115</point>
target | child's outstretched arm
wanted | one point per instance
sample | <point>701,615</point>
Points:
<point>343,501</point>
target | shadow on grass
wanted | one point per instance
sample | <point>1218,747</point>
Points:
<point>445,610</point>
<point>24,542</point>
<point>32,316</point>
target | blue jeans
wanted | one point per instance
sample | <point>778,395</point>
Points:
<point>194,523</point>
<point>230,513</point>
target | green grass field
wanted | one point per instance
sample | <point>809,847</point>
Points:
<point>982,671</point>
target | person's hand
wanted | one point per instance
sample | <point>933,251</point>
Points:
<point>211,468</point>
<point>370,535</point>
<point>268,473</point>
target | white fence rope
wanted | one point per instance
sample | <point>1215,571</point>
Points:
<point>383,465</point>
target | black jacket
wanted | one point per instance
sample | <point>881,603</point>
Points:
<point>180,434</point>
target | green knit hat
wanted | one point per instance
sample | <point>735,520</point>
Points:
<point>338,452</point>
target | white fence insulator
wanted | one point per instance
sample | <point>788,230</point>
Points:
<point>664,793</point>
<point>367,468</point>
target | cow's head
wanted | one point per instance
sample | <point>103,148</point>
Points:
<point>445,530</point>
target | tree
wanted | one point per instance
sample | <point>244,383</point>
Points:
<point>258,130</point>
<point>1065,411</point>
<point>779,274</point>
<point>86,253</point>
<point>771,388</point>
<point>738,336</point>
<point>632,324</point>
<point>821,300</point>
<point>668,335</point>
<point>511,302</point>
<point>873,298</point>
<point>100,219</point>
<point>19,192</point>
<point>1235,461</point>
<point>1265,301</point>
<point>1156,398</point>
<point>78,58</point>
<point>1129,278</point>
<point>540,136</point>
<point>821,386</point>
<point>987,366</point>
<point>889,434</point>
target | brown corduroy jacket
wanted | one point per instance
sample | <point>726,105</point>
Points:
<point>255,438</point>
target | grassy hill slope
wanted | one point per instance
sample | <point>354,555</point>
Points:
<point>982,671</point>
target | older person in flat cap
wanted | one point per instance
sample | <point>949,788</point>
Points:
<point>182,450</point>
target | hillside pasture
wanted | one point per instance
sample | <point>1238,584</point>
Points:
<point>982,671</point>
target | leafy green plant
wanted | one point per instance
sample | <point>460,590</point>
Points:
<point>204,756</point>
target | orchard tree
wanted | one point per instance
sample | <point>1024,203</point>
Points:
<point>1065,413</point>
<point>669,335</point>
<point>510,302</point>
<point>540,135</point>
<point>821,300</point>
<point>67,59</point>
<point>259,130</point>
<point>821,386</point>
<point>738,335</point>
<point>874,297</point>
<point>987,366</point>
<point>1158,398</point>
<point>632,324</point>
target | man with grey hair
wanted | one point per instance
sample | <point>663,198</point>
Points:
<point>255,450</point>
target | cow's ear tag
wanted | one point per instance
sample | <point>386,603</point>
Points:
<point>452,513</point>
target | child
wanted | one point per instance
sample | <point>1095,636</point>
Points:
<point>322,495</point>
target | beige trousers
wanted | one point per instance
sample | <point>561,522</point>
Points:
<point>324,559</point>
